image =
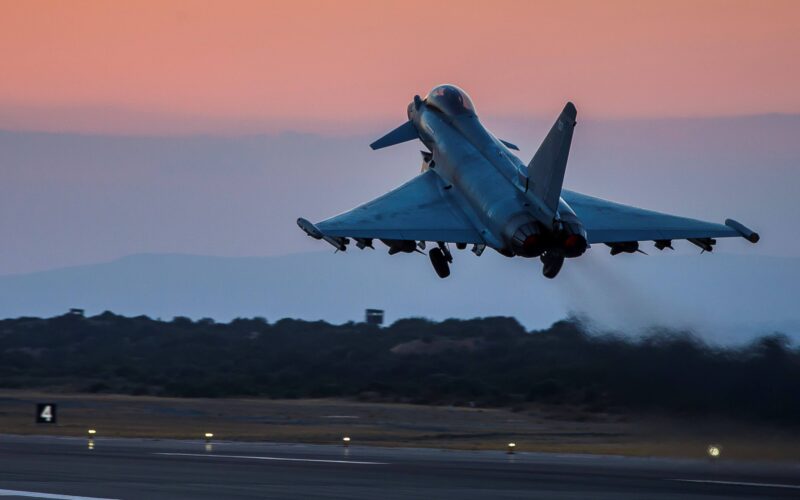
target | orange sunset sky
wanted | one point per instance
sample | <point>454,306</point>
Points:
<point>182,67</point>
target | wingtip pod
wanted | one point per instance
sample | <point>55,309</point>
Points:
<point>309,228</point>
<point>746,232</point>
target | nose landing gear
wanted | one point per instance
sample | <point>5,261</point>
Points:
<point>552,260</point>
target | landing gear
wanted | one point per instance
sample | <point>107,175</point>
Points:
<point>551,263</point>
<point>439,262</point>
<point>441,259</point>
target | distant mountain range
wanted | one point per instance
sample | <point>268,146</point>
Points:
<point>72,199</point>
<point>724,298</point>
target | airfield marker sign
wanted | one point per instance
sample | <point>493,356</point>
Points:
<point>46,413</point>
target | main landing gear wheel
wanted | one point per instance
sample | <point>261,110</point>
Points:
<point>439,262</point>
<point>551,263</point>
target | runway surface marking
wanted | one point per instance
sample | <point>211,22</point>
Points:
<point>272,458</point>
<point>739,483</point>
<point>34,494</point>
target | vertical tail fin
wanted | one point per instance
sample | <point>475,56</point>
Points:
<point>546,169</point>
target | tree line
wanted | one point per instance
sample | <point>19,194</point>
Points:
<point>482,362</point>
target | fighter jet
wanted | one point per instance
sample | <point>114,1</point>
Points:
<point>474,191</point>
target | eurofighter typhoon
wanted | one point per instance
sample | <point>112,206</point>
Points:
<point>474,191</point>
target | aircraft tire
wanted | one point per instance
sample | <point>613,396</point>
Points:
<point>439,262</point>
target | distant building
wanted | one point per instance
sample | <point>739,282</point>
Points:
<point>76,312</point>
<point>374,317</point>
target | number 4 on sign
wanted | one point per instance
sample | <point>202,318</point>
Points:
<point>45,413</point>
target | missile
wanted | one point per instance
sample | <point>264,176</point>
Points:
<point>363,243</point>
<point>623,247</point>
<point>746,232</point>
<point>707,244</point>
<point>337,242</point>
<point>397,246</point>
<point>662,244</point>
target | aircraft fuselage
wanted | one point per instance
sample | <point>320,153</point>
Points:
<point>490,181</point>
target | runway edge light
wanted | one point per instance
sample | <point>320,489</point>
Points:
<point>346,441</point>
<point>511,447</point>
<point>208,436</point>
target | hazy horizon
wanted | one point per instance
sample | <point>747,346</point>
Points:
<point>721,298</point>
<point>71,199</point>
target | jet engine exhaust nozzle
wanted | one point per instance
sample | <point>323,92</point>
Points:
<point>575,245</point>
<point>527,241</point>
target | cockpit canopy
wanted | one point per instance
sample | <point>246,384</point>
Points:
<point>450,100</point>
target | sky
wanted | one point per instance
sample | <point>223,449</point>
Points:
<point>207,128</point>
<point>340,66</point>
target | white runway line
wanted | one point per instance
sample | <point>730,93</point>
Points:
<point>53,496</point>
<point>285,459</point>
<point>739,483</point>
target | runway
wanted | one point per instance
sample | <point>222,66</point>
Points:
<point>126,469</point>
